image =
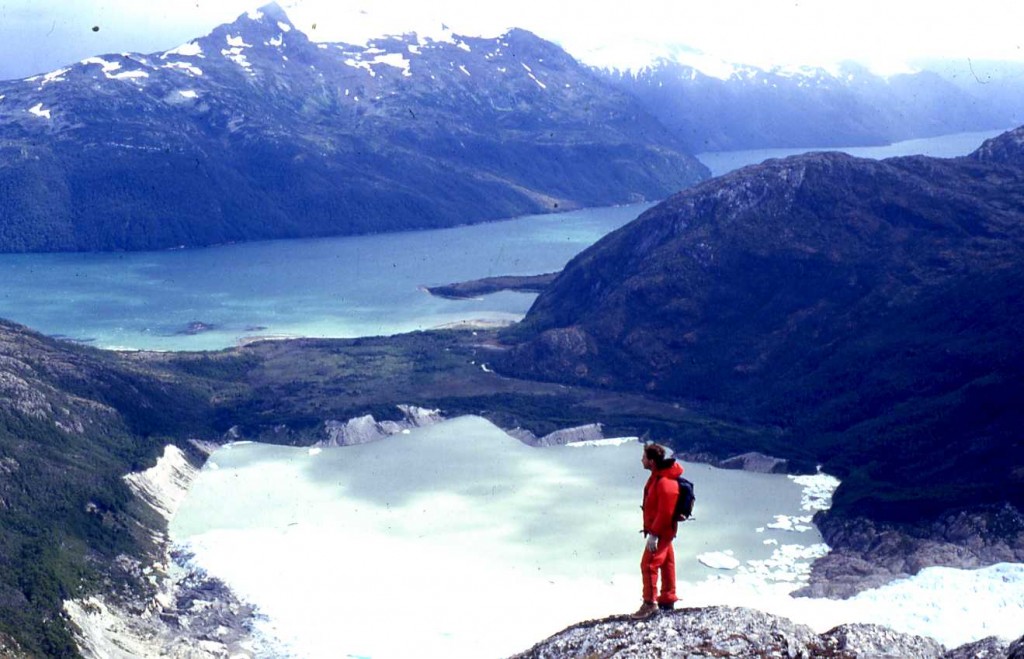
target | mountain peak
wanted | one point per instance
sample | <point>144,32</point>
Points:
<point>271,11</point>
<point>269,16</point>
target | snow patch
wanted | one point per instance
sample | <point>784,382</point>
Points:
<point>128,75</point>
<point>462,68</point>
<point>188,93</point>
<point>529,72</point>
<point>38,111</point>
<point>235,55</point>
<point>276,41</point>
<point>358,64</point>
<point>237,42</point>
<point>107,67</point>
<point>54,76</point>
<point>190,49</point>
<point>184,66</point>
<point>396,60</point>
<point>284,27</point>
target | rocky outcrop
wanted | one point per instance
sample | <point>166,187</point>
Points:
<point>164,485</point>
<point>867,554</point>
<point>736,632</point>
<point>560,437</point>
<point>364,429</point>
<point>753,461</point>
<point>176,610</point>
<point>189,615</point>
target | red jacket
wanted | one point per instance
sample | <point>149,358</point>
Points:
<point>660,495</point>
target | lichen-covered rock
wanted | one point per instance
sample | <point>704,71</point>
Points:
<point>880,642</point>
<point>692,633</point>
<point>986,648</point>
<point>717,632</point>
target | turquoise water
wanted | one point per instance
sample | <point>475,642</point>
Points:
<point>331,287</point>
<point>944,146</point>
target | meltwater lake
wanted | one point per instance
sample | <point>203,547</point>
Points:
<point>212,298</point>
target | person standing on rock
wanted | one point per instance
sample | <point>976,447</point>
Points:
<point>659,504</point>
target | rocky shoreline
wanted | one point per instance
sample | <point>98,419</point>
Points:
<point>181,611</point>
<point>865,554</point>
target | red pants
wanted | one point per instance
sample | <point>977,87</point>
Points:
<point>662,561</point>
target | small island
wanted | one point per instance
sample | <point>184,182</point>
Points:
<point>477,287</point>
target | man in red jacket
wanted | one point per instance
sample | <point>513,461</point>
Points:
<point>660,495</point>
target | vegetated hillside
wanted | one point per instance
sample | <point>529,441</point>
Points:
<point>752,108</point>
<point>868,309</point>
<point>73,421</point>
<point>254,131</point>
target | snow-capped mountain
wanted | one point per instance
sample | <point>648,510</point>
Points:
<point>254,131</point>
<point>713,105</point>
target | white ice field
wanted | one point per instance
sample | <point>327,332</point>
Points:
<point>457,540</point>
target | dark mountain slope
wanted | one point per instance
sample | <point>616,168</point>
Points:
<point>255,132</point>
<point>871,310</point>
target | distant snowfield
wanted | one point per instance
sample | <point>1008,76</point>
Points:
<point>457,540</point>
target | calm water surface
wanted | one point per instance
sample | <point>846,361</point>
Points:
<point>943,146</point>
<point>205,299</point>
<point>330,287</point>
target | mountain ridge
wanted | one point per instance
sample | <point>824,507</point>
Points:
<point>747,107</point>
<point>253,131</point>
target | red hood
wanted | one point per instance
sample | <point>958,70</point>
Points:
<point>673,471</point>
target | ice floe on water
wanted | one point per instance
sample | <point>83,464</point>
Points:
<point>720,560</point>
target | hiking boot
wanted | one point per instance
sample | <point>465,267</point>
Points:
<point>666,606</point>
<point>646,610</point>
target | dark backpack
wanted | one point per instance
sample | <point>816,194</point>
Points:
<point>684,504</point>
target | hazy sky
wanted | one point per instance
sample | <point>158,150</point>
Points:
<point>41,35</point>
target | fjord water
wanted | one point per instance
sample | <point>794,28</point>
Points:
<point>204,299</point>
<point>944,146</point>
